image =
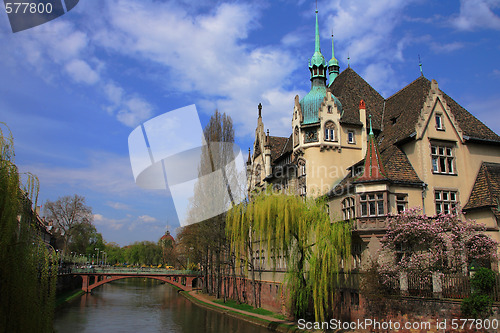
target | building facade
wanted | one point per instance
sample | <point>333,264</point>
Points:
<point>372,156</point>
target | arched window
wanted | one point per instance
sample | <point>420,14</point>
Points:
<point>348,208</point>
<point>330,131</point>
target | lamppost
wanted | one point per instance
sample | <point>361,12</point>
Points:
<point>97,249</point>
<point>104,255</point>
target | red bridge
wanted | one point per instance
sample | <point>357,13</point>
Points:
<point>94,277</point>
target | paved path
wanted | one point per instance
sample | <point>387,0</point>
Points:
<point>209,299</point>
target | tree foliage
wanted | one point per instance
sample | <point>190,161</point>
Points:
<point>301,231</point>
<point>206,240</point>
<point>28,270</point>
<point>68,213</point>
<point>447,243</point>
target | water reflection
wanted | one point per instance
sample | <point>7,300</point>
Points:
<point>142,305</point>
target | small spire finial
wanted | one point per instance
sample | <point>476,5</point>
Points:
<point>420,65</point>
<point>348,60</point>
<point>260,110</point>
<point>371,130</point>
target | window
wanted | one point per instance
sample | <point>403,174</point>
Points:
<point>330,131</point>
<point>348,211</point>
<point>442,159</point>
<point>296,136</point>
<point>439,122</point>
<point>358,171</point>
<point>329,109</point>
<point>258,174</point>
<point>372,204</point>
<point>446,201</point>
<point>302,168</point>
<point>401,202</point>
<point>350,137</point>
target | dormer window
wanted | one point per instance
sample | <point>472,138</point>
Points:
<point>439,122</point>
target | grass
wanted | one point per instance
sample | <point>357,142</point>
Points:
<point>249,308</point>
<point>68,296</point>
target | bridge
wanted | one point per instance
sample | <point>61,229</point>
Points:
<point>95,277</point>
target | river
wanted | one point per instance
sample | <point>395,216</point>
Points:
<point>142,305</point>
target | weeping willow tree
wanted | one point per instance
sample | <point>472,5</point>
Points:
<point>27,270</point>
<point>302,232</point>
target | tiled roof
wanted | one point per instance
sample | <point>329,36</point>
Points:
<point>403,109</point>
<point>470,125</point>
<point>398,167</point>
<point>277,145</point>
<point>350,88</point>
<point>287,148</point>
<point>486,189</point>
<point>374,168</point>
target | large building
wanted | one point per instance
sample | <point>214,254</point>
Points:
<point>372,156</point>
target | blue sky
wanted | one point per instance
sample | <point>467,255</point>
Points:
<point>73,89</point>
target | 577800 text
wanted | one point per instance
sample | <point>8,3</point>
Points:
<point>367,324</point>
<point>28,7</point>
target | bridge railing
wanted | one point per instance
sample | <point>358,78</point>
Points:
<point>132,271</point>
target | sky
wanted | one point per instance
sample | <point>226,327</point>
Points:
<point>72,90</point>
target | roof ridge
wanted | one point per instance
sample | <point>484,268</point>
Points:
<point>408,85</point>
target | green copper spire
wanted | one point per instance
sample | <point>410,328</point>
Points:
<point>333,66</point>
<point>316,40</point>
<point>317,59</point>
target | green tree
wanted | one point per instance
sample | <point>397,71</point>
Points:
<point>67,213</point>
<point>115,253</point>
<point>302,232</point>
<point>28,270</point>
<point>211,244</point>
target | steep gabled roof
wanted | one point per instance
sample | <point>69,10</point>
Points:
<point>486,189</point>
<point>287,149</point>
<point>403,109</point>
<point>277,144</point>
<point>470,125</point>
<point>374,168</point>
<point>350,88</point>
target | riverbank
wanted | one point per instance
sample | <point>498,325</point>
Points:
<point>271,323</point>
<point>67,297</point>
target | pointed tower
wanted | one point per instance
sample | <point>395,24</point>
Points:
<point>374,168</point>
<point>333,67</point>
<point>311,103</point>
<point>317,64</point>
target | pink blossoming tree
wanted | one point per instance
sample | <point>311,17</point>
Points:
<point>419,245</point>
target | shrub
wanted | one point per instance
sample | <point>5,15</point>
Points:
<point>483,281</point>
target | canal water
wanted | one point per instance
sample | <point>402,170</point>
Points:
<point>138,305</point>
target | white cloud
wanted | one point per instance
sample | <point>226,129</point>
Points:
<point>133,111</point>
<point>477,14</point>
<point>106,173</point>
<point>447,47</point>
<point>147,219</point>
<point>118,205</point>
<point>113,224</point>
<point>80,71</point>
<point>366,31</point>
<point>203,53</point>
